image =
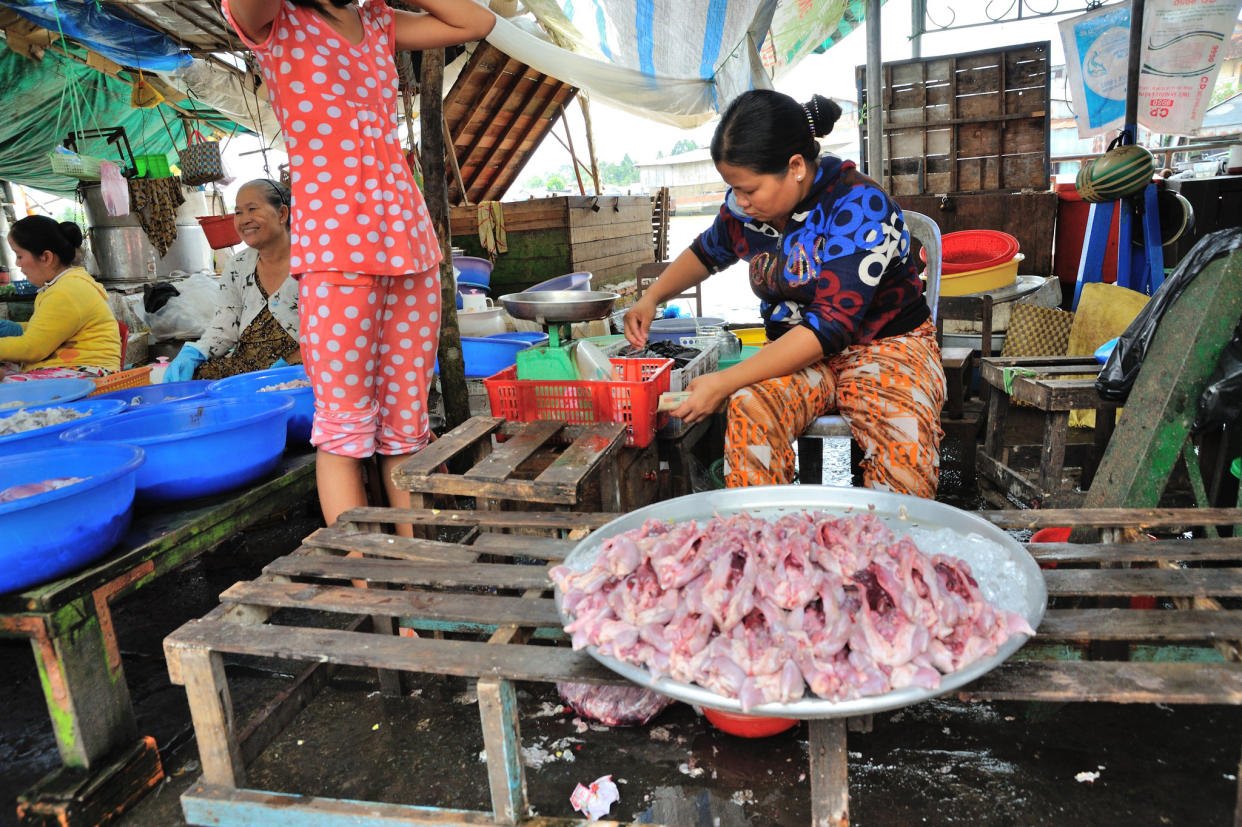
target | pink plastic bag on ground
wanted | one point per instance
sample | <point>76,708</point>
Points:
<point>613,705</point>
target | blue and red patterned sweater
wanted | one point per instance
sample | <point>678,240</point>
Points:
<point>841,267</point>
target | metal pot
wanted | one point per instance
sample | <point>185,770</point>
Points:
<point>125,254</point>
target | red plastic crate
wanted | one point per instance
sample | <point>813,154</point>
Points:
<point>630,399</point>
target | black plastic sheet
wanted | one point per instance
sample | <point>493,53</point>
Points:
<point>1122,367</point>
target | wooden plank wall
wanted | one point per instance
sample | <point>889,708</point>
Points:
<point>1029,217</point>
<point>965,123</point>
<point>608,236</point>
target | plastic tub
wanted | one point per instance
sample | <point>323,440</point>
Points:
<point>301,415</point>
<point>474,270</point>
<point>219,230</point>
<point>472,286</point>
<point>199,446</point>
<point>531,337</point>
<point>152,166</point>
<point>672,330</point>
<point>968,250</point>
<point>481,323</point>
<point>747,726</point>
<point>981,281</point>
<point>570,281</point>
<point>156,394</point>
<point>491,354</point>
<point>42,391</point>
<point>50,534</point>
<point>751,336</point>
<point>48,438</point>
<point>730,361</point>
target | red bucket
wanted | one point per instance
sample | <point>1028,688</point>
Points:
<point>968,250</point>
<point>219,230</point>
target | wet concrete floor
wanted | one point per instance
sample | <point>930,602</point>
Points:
<point>940,762</point>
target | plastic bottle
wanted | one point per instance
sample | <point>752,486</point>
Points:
<point>157,370</point>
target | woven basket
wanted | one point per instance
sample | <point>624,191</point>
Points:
<point>83,167</point>
<point>122,380</point>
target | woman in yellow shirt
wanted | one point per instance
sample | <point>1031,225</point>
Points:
<point>72,331</point>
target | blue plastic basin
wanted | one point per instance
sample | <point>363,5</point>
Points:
<point>199,446</point>
<point>54,533</point>
<point>155,394</point>
<point>530,337</point>
<point>474,270</point>
<point>42,391</point>
<point>244,384</point>
<point>485,356</point>
<point>48,438</point>
<point>570,281</point>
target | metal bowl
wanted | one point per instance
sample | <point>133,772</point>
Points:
<point>900,512</point>
<point>552,306</point>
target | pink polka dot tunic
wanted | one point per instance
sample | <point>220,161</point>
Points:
<point>356,208</point>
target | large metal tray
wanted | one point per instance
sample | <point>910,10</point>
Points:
<point>899,511</point>
<point>552,306</point>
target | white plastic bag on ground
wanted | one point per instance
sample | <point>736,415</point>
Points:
<point>186,315</point>
<point>595,801</point>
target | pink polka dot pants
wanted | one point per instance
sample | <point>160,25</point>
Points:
<point>369,344</point>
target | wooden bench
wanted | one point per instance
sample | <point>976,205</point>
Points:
<point>106,766</point>
<point>450,587</point>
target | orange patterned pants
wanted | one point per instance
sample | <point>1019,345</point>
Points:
<point>890,391</point>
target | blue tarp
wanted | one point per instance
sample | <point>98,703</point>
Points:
<point>117,38</point>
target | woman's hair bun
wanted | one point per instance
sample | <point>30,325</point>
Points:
<point>72,233</point>
<point>824,114</point>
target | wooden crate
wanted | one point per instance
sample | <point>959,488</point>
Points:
<point>964,123</point>
<point>606,235</point>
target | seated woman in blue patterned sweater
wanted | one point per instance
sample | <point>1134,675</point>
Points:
<point>841,301</point>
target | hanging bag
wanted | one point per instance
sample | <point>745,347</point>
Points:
<point>200,162</point>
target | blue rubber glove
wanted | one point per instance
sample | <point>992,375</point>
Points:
<point>280,363</point>
<point>182,368</point>
<point>8,328</point>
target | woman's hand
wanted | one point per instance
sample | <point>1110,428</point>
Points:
<point>638,320</point>
<point>707,394</point>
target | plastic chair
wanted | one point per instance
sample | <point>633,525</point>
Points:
<point>810,451</point>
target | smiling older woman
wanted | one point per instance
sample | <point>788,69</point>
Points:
<point>256,323</point>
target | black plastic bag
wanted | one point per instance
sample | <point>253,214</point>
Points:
<point>1122,367</point>
<point>155,296</point>
<point>1221,401</point>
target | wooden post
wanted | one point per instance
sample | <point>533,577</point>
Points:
<point>435,190</point>
<point>586,119</point>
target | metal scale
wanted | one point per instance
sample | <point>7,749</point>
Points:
<point>556,311</point>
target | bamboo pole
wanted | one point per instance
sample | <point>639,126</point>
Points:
<point>435,191</point>
<point>570,146</point>
<point>452,156</point>
<point>586,119</point>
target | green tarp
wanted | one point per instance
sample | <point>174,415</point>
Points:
<point>36,113</point>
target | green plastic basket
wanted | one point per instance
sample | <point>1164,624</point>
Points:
<point>152,166</point>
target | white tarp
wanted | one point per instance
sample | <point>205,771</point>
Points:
<point>1183,44</point>
<point>676,61</point>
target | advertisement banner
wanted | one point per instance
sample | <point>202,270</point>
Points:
<point>1183,44</point>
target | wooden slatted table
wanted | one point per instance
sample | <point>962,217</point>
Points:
<point>516,616</point>
<point>106,766</point>
<point>1055,385</point>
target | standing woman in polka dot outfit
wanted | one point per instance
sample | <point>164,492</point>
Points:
<point>363,247</point>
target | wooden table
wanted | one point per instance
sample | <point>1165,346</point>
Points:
<point>443,586</point>
<point>106,766</point>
